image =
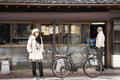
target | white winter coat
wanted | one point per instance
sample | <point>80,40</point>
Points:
<point>34,48</point>
<point>100,40</point>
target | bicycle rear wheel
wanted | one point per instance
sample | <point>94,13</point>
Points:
<point>92,67</point>
<point>61,67</point>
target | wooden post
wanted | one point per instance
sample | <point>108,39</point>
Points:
<point>54,44</point>
<point>108,50</point>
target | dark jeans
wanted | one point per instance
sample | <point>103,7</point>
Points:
<point>100,54</point>
<point>40,66</point>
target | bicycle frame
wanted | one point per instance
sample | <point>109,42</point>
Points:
<point>77,65</point>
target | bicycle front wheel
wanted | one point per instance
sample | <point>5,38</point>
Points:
<point>92,67</point>
<point>61,67</point>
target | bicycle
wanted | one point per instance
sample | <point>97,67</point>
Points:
<point>63,65</point>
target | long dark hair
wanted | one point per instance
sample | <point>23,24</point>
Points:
<point>38,39</point>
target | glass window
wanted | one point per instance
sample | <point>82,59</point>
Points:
<point>75,34</point>
<point>64,33</point>
<point>4,53</point>
<point>85,33</point>
<point>20,33</point>
<point>47,33</point>
<point>71,33</point>
<point>4,34</point>
<point>20,57</point>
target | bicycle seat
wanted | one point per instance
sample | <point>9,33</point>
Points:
<point>69,54</point>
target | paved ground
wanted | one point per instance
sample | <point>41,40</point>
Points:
<point>73,78</point>
<point>108,74</point>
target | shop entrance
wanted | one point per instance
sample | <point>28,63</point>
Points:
<point>93,29</point>
<point>93,34</point>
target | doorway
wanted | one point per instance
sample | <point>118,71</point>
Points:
<point>93,35</point>
<point>93,29</point>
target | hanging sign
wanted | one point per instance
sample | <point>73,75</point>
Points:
<point>51,29</point>
<point>66,29</point>
<point>42,29</point>
<point>73,29</point>
<point>77,30</point>
<point>56,29</point>
<point>47,31</point>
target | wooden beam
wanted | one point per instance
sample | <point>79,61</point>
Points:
<point>108,52</point>
<point>56,16</point>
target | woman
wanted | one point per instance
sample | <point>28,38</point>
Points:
<point>35,49</point>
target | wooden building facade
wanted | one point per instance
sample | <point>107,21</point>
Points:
<point>65,25</point>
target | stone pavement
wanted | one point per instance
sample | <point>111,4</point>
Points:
<point>73,78</point>
<point>108,74</point>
